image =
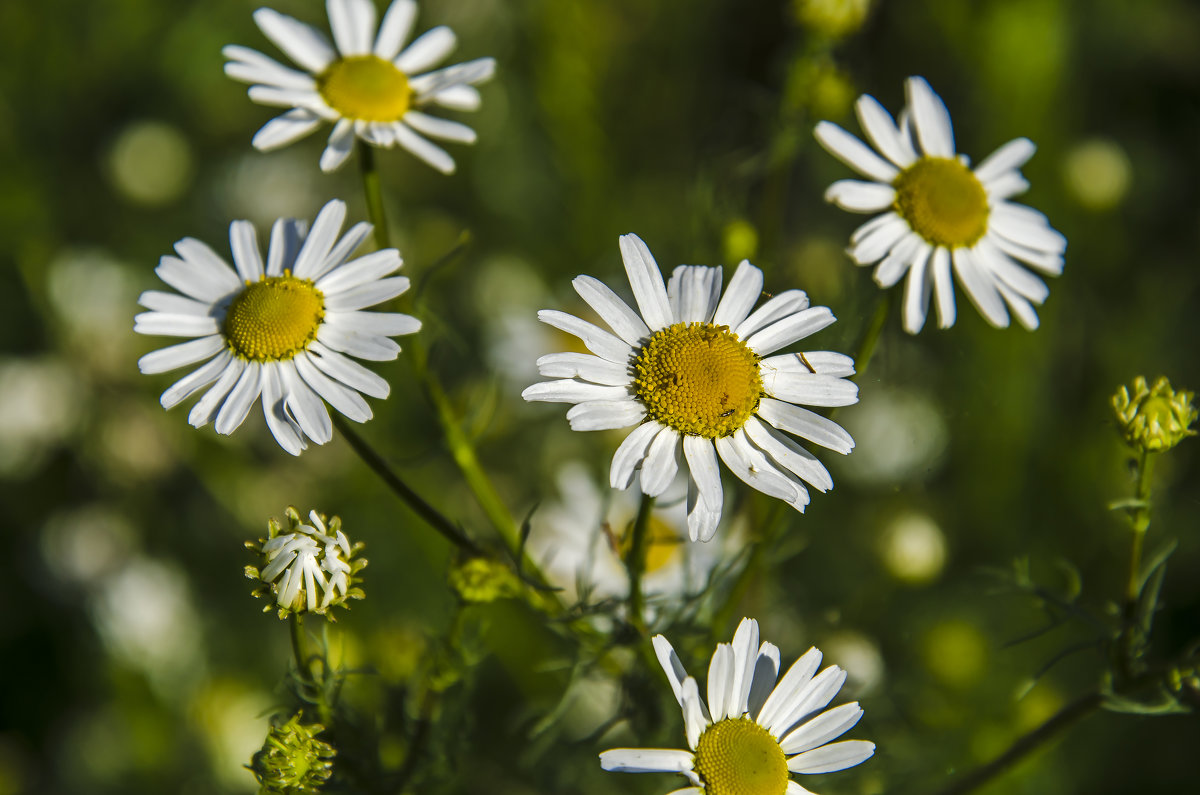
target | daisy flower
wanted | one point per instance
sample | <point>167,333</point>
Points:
<point>753,731</point>
<point>284,328</point>
<point>578,541</point>
<point>363,82</point>
<point>938,216</point>
<point>694,371</point>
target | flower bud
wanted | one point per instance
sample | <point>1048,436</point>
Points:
<point>1153,419</point>
<point>292,759</point>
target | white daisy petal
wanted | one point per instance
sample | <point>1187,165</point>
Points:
<point>272,97</point>
<point>733,451</point>
<point>778,705</point>
<point>459,97</point>
<point>1020,305</point>
<point>193,382</point>
<point>347,371</point>
<point>991,258</point>
<point>860,197</point>
<point>200,257</point>
<point>695,716</point>
<point>353,24</point>
<point>285,129</point>
<point>829,758</point>
<point>243,242</point>
<point>365,295</point>
<point>705,497</point>
<point>1005,186</point>
<point>428,50</point>
<point>789,455</point>
<point>883,132</point>
<point>918,289</point>
<point>397,24</point>
<point>693,292</point>
<point>302,405</point>
<point>809,389</point>
<point>795,789</point>
<point>646,760</point>
<point>873,247</point>
<point>806,424</point>
<point>745,656</point>
<point>1026,227</point>
<point>596,339</point>
<point>365,270</point>
<point>339,146</point>
<point>205,410</point>
<point>1049,263</point>
<point>320,240</point>
<point>173,304</point>
<point>647,283</point>
<point>943,286</point>
<point>181,355</point>
<point>900,259</point>
<point>661,462</point>
<point>815,695</point>
<point>611,309</point>
<point>630,454</point>
<point>605,415</point>
<point>287,236</point>
<point>373,348</point>
<point>584,366</point>
<point>720,683</point>
<point>1012,155</point>
<point>251,66</point>
<point>567,391</point>
<point>431,153</point>
<point>854,152</point>
<point>930,118</point>
<point>820,362</point>
<point>671,665</point>
<point>980,288</point>
<point>790,329</point>
<point>439,128</point>
<point>789,302</point>
<point>433,84</point>
<point>341,397</point>
<point>237,406</point>
<point>285,429</point>
<point>821,729</point>
<point>305,45</point>
<point>766,671</point>
<point>386,324</point>
<point>201,284</point>
<point>171,325</point>
<point>740,296</point>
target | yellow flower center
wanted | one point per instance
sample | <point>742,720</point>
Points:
<point>365,87</point>
<point>699,379</point>
<point>736,756</point>
<point>274,318</point>
<point>942,201</point>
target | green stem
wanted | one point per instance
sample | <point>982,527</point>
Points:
<point>1076,710</point>
<point>305,656</point>
<point>413,500</point>
<point>464,456</point>
<point>635,563</point>
<point>870,340</point>
<point>1140,522</point>
<point>374,193</point>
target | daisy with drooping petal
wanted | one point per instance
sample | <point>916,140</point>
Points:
<point>940,217</point>
<point>284,329</point>
<point>752,732</point>
<point>694,370</point>
<point>368,84</point>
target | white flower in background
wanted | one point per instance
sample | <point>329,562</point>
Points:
<point>579,542</point>
<point>363,82</point>
<point>939,216</point>
<point>284,328</point>
<point>306,567</point>
<point>752,732</point>
<point>694,370</point>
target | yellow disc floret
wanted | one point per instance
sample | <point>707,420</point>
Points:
<point>365,87</point>
<point>942,201</point>
<point>698,378</point>
<point>736,756</point>
<point>274,318</point>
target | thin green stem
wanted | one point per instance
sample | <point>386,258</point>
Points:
<point>374,193</point>
<point>1139,519</point>
<point>635,563</point>
<point>870,338</point>
<point>1076,710</point>
<point>414,501</point>
<point>312,683</point>
<point>464,456</point>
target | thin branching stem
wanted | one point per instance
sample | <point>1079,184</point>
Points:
<point>635,563</point>
<point>374,194</point>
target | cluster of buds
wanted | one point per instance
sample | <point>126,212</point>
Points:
<point>292,759</point>
<point>1153,419</point>
<point>306,567</point>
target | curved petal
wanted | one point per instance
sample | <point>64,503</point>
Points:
<point>853,152</point>
<point>740,296</point>
<point>930,118</point>
<point>705,496</point>
<point>647,282</point>
<point>630,454</point>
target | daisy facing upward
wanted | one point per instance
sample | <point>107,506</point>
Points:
<point>939,217</point>
<point>366,83</point>
<point>693,370</point>
<point>284,328</point>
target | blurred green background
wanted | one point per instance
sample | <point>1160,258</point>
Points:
<point>134,659</point>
